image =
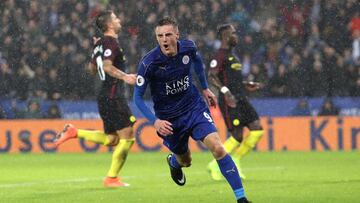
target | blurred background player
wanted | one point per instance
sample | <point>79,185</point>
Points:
<point>180,112</point>
<point>109,61</point>
<point>225,74</point>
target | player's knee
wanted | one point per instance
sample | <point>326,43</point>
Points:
<point>218,151</point>
<point>113,141</point>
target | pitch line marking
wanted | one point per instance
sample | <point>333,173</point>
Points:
<point>80,180</point>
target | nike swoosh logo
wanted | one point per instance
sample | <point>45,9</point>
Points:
<point>182,180</point>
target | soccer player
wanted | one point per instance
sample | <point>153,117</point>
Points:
<point>180,111</point>
<point>225,74</point>
<point>109,61</point>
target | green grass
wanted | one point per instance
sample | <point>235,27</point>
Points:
<point>288,177</point>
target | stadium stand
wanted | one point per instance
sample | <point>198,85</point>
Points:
<point>295,48</point>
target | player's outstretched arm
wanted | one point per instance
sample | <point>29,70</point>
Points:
<point>116,73</point>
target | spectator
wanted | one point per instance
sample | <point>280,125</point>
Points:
<point>2,113</point>
<point>318,83</point>
<point>31,112</point>
<point>53,112</point>
<point>44,45</point>
<point>301,109</point>
<point>353,79</point>
<point>278,83</point>
<point>328,108</point>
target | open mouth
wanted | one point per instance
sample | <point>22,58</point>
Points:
<point>166,47</point>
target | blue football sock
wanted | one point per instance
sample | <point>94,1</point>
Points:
<point>230,172</point>
<point>173,162</point>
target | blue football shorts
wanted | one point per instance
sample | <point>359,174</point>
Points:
<point>196,123</point>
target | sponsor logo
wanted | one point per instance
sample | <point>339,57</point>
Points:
<point>162,67</point>
<point>177,86</point>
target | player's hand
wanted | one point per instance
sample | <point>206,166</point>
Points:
<point>252,86</point>
<point>130,79</point>
<point>210,97</point>
<point>163,127</point>
<point>230,100</point>
<point>95,40</point>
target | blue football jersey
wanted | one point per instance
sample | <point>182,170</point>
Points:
<point>170,80</point>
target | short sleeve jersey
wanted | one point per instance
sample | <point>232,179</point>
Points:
<point>228,68</point>
<point>108,48</point>
<point>170,80</point>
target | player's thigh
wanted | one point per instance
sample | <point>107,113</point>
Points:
<point>125,133</point>
<point>213,143</point>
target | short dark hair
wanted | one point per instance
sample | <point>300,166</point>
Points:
<point>221,28</point>
<point>167,21</point>
<point>102,19</point>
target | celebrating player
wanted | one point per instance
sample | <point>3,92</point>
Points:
<point>225,74</point>
<point>180,111</point>
<point>109,61</point>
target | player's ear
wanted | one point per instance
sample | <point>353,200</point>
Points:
<point>177,35</point>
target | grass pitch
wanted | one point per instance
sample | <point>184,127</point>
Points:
<point>287,177</point>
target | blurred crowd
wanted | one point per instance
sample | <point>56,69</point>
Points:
<point>294,48</point>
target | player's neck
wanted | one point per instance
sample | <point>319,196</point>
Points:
<point>111,33</point>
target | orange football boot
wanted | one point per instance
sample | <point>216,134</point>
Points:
<point>69,132</point>
<point>110,182</point>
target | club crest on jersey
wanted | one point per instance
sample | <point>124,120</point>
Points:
<point>140,80</point>
<point>185,59</point>
<point>177,86</point>
<point>107,52</point>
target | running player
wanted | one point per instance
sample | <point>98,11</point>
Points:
<point>225,74</point>
<point>109,61</point>
<point>180,111</point>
